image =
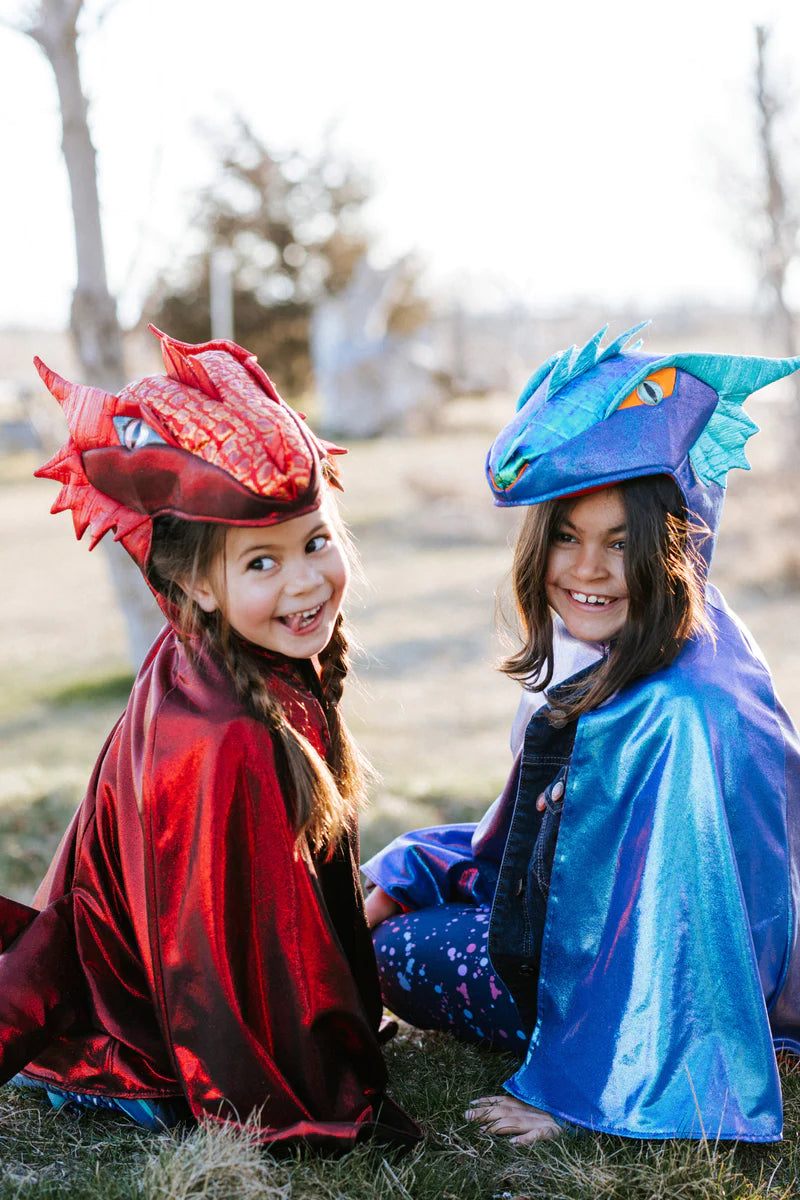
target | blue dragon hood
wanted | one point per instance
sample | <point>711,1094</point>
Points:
<point>598,415</point>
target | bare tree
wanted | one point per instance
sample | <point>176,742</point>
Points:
<point>776,239</point>
<point>93,320</point>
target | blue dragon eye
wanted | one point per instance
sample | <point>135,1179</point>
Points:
<point>134,433</point>
<point>650,392</point>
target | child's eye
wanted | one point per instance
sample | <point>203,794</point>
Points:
<point>563,536</point>
<point>618,545</point>
<point>262,563</point>
<point>317,543</point>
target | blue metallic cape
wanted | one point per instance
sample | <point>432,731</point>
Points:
<point>669,965</point>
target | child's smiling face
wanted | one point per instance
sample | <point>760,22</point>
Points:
<point>280,586</point>
<point>585,581</point>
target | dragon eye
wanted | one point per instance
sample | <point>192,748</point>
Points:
<point>650,391</point>
<point>133,433</point>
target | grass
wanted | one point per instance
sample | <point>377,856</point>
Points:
<point>47,1154</point>
<point>113,688</point>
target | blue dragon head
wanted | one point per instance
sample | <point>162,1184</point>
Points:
<point>597,415</point>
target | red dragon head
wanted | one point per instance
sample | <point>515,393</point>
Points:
<point>211,440</point>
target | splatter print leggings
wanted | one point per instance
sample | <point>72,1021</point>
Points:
<point>436,974</point>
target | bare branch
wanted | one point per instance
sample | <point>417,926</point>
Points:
<point>54,22</point>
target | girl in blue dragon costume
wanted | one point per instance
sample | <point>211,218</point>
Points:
<point>625,914</point>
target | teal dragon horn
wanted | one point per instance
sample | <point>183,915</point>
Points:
<point>733,375</point>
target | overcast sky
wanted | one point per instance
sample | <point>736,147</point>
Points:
<point>526,150</point>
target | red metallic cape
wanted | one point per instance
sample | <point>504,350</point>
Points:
<point>183,946</point>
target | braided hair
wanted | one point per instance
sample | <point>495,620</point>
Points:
<point>323,797</point>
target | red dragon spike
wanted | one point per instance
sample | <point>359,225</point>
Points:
<point>185,368</point>
<point>177,353</point>
<point>88,409</point>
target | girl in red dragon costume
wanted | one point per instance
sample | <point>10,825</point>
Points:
<point>198,946</point>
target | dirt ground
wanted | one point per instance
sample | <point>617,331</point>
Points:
<point>429,708</point>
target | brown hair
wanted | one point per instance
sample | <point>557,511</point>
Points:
<point>665,578</point>
<point>324,795</point>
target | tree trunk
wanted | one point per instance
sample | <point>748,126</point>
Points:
<point>779,246</point>
<point>93,319</point>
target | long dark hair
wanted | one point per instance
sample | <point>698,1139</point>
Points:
<point>665,579</point>
<point>324,795</point>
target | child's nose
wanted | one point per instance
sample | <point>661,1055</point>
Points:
<point>590,562</point>
<point>304,577</point>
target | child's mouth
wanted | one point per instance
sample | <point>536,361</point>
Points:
<point>299,621</point>
<point>591,600</point>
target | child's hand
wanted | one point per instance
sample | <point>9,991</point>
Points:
<point>506,1114</point>
<point>556,792</point>
<point>379,906</point>
<point>552,797</point>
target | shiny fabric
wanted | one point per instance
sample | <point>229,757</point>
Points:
<point>666,967</point>
<point>184,947</point>
<point>209,440</point>
<point>591,417</point>
<point>643,414</point>
<point>461,862</point>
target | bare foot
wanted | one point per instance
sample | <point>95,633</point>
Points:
<point>506,1114</point>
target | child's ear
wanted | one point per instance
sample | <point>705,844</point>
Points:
<point>202,594</point>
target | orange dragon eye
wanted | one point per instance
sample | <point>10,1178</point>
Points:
<point>651,390</point>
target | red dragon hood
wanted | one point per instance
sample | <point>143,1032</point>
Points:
<point>210,440</point>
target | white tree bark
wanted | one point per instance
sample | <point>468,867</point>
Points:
<point>369,381</point>
<point>779,247</point>
<point>93,319</point>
